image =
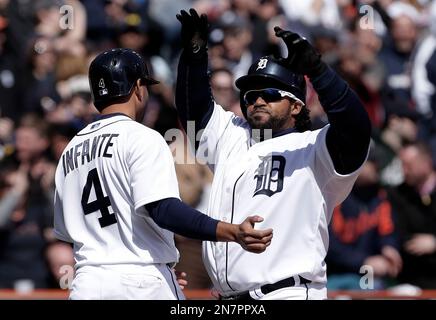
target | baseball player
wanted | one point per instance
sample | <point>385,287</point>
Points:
<point>272,162</point>
<point>117,198</point>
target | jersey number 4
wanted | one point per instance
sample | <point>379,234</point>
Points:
<point>102,202</point>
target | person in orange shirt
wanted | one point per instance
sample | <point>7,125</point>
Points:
<point>362,234</point>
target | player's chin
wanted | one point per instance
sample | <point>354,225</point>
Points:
<point>259,120</point>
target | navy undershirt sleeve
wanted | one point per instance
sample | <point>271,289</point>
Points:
<point>172,214</point>
<point>194,101</point>
<point>350,128</point>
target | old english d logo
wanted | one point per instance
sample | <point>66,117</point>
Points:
<point>269,175</point>
<point>262,64</point>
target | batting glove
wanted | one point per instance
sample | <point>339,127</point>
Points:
<point>302,56</point>
<point>195,31</point>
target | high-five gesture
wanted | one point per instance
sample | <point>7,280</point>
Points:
<point>302,56</point>
<point>195,30</point>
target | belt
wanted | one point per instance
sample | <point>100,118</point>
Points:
<point>267,288</point>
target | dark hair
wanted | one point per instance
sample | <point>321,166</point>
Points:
<point>302,120</point>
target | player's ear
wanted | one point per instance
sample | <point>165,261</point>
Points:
<point>296,107</point>
<point>138,90</point>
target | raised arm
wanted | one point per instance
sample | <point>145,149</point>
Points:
<point>350,129</point>
<point>193,93</point>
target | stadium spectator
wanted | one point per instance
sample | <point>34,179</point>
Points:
<point>396,56</point>
<point>415,203</point>
<point>24,231</point>
<point>221,83</point>
<point>362,234</point>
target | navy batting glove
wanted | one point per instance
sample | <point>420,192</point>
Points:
<point>302,56</point>
<point>195,31</point>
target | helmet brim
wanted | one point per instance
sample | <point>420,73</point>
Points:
<point>254,81</point>
<point>150,81</point>
<point>251,81</point>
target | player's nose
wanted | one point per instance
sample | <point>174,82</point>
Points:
<point>259,102</point>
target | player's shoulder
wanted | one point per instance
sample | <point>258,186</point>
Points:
<point>312,137</point>
<point>134,128</point>
<point>314,134</point>
<point>139,133</point>
<point>235,120</point>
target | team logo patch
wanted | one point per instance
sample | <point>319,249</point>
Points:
<point>269,175</point>
<point>262,64</point>
<point>103,92</point>
<point>95,125</point>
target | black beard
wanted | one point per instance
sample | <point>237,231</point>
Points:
<point>273,123</point>
<point>263,131</point>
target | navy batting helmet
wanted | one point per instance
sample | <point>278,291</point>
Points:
<point>267,72</point>
<point>113,74</point>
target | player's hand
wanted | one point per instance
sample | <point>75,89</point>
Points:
<point>302,58</point>
<point>252,240</point>
<point>181,278</point>
<point>195,30</point>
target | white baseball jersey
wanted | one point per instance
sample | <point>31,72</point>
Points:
<point>106,175</point>
<point>290,181</point>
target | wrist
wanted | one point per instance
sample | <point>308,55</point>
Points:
<point>226,232</point>
<point>323,80</point>
<point>318,70</point>
<point>194,56</point>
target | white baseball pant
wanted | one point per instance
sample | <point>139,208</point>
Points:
<point>125,282</point>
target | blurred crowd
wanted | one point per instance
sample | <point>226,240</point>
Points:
<point>385,49</point>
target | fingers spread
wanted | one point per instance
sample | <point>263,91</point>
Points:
<point>194,14</point>
<point>203,20</point>
<point>288,36</point>
<point>183,17</point>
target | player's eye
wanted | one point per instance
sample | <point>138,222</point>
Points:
<point>268,95</point>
